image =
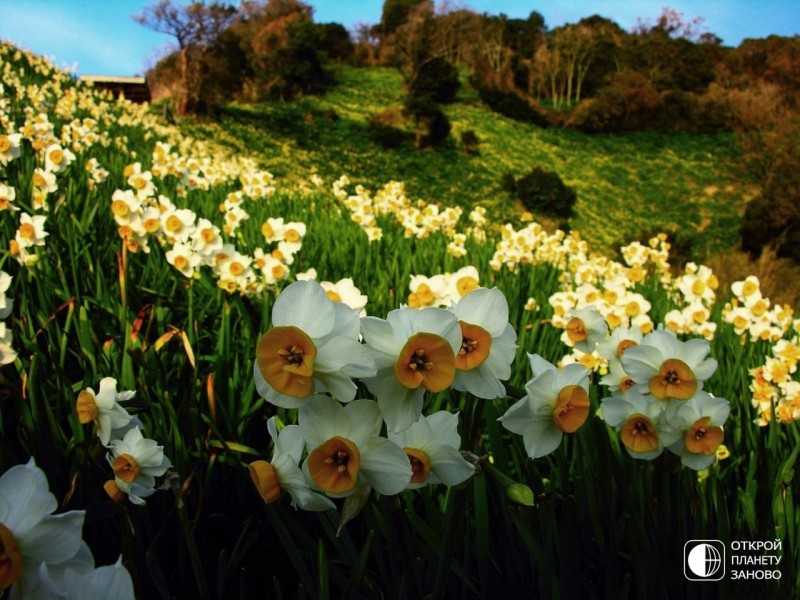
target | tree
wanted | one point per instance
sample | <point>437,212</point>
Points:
<point>195,27</point>
<point>395,13</point>
<point>564,62</point>
<point>673,53</point>
<point>283,47</point>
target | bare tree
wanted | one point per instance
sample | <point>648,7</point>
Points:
<point>195,27</point>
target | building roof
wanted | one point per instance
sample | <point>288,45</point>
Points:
<point>112,79</point>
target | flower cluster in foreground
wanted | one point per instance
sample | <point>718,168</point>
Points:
<point>319,348</point>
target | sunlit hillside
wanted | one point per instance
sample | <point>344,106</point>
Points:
<point>628,186</point>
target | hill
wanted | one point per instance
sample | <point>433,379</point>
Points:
<point>628,185</point>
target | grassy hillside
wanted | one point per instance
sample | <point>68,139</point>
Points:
<point>627,184</point>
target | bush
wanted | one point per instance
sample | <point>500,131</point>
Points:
<point>436,80</point>
<point>772,220</point>
<point>508,183</point>
<point>629,102</point>
<point>432,127</point>
<point>544,192</point>
<point>510,104</point>
<point>382,129</point>
<point>470,141</point>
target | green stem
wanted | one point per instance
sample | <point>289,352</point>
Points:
<point>194,555</point>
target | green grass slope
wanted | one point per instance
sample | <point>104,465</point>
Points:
<point>627,185</point>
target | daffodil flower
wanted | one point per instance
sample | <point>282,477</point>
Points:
<point>7,353</point>
<point>488,343</point>
<point>556,402</point>
<point>415,351</point>
<point>103,409</point>
<point>621,338</point>
<point>585,328</point>
<point>700,421</point>
<point>668,368</point>
<point>283,471</point>
<point>432,446</point>
<point>312,347</point>
<point>641,422</point>
<point>136,462</point>
<point>31,536</point>
<point>345,451</point>
<point>6,304</point>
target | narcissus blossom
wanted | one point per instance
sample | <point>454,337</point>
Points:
<point>345,291</point>
<point>31,535</point>
<point>345,450</point>
<point>488,343</point>
<point>312,346</point>
<point>700,422</point>
<point>556,402</point>
<point>585,328</point>
<point>283,472</point>
<point>103,409</point>
<point>136,462</point>
<point>415,351</point>
<point>641,422</point>
<point>668,368</point>
<point>432,446</point>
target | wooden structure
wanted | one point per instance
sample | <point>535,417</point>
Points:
<point>134,89</point>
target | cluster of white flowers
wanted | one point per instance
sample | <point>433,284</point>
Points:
<point>135,460</point>
<point>656,382</point>
<point>311,359</point>
<point>418,219</point>
<point>442,290</point>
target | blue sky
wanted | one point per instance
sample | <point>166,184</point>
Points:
<point>99,36</point>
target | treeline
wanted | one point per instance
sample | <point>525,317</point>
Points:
<point>667,74</point>
<point>262,50</point>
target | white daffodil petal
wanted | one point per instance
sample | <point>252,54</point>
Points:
<point>55,538</point>
<point>320,419</point>
<point>399,405</point>
<point>381,338</point>
<point>24,497</point>
<point>338,384</point>
<point>347,355</point>
<point>449,466</point>
<point>540,438</point>
<point>365,420</point>
<point>481,382</point>
<point>304,305</point>
<point>385,466</point>
<point>539,365</point>
<point>444,428</point>
<point>517,417</point>
<point>642,362</point>
<point>289,443</point>
<point>486,308</point>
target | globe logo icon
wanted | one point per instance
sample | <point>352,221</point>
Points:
<point>705,559</point>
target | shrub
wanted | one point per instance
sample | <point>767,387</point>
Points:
<point>438,80</point>
<point>470,141</point>
<point>508,183</point>
<point>432,127</point>
<point>544,192</point>
<point>510,104</point>
<point>629,102</point>
<point>382,129</point>
<point>772,220</point>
